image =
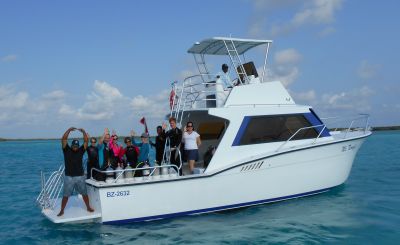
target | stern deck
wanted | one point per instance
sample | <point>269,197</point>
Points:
<point>75,212</point>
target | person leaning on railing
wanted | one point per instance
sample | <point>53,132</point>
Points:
<point>175,139</point>
<point>74,175</point>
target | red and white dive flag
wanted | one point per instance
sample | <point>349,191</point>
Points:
<point>143,121</point>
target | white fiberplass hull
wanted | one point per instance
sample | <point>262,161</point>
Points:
<point>258,146</point>
<point>270,179</point>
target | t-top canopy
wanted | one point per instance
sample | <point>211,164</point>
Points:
<point>216,45</point>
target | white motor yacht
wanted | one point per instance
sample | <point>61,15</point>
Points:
<point>258,146</point>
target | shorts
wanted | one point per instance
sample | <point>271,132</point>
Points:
<point>74,182</point>
<point>192,154</point>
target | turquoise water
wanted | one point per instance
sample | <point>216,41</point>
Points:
<point>365,210</point>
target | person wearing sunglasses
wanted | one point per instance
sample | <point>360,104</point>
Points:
<point>131,152</point>
<point>192,141</point>
<point>116,151</point>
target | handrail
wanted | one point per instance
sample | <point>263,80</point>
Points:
<point>51,188</point>
<point>122,172</point>
<point>300,129</point>
<point>353,120</point>
<point>324,127</point>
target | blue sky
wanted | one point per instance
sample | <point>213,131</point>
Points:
<point>97,64</point>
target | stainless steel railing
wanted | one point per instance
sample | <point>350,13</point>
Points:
<point>51,188</point>
<point>365,128</point>
<point>122,172</point>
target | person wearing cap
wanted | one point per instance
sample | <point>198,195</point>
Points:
<point>74,175</point>
<point>144,148</point>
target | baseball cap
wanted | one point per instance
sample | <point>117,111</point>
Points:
<point>144,135</point>
<point>75,143</point>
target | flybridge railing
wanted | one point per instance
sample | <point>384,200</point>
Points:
<point>197,94</point>
<point>350,128</point>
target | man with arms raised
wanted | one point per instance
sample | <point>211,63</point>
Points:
<point>74,176</point>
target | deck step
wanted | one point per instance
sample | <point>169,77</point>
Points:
<point>75,212</point>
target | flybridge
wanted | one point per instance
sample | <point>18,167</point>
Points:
<point>232,47</point>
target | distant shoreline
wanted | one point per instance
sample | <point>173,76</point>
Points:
<point>383,128</point>
<point>42,139</point>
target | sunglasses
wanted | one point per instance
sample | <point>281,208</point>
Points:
<point>94,142</point>
<point>189,126</point>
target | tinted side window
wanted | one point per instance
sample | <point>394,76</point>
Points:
<point>265,129</point>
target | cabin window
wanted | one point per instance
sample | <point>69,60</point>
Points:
<point>211,130</point>
<point>264,129</point>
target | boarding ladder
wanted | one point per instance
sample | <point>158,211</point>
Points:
<point>177,110</point>
<point>51,189</point>
<point>236,61</point>
<point>201,65</point>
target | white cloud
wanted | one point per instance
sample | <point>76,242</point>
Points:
<point>153,106</point>
<point>287,56</point>
<point>10,99</point>
<point>106,102</point>
<point>187,73</point>
<point>308,97</point>
<point>357,99</point>
<point>66,110</point>
<point>367,70</point>
<point>9,58</point>
<point>103,103</point>
<point>106,90</point>
<point>140,102</point>
<point>284,74</point>
<point>317,12</point>
<point>313,12</point>
<point>285,67</point>
<point>55,95</point>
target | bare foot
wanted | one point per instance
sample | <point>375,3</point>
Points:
<point>61,213</point>
<point>90,209</point>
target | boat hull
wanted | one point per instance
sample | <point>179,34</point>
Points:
<point>277,177</point>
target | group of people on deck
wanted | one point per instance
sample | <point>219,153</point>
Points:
<point>108,152</point>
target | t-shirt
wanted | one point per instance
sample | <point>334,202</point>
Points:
<point>225,79</point>
<point>143,151</point>
<point>73,161</point>
<point>104,154</point>
<point>93,155</point>
<point>190,140</point>
<point>131,153</point>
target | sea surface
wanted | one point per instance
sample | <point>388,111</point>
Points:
<point>365,210</point>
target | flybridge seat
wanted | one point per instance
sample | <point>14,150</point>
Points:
<point>251,72</point>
